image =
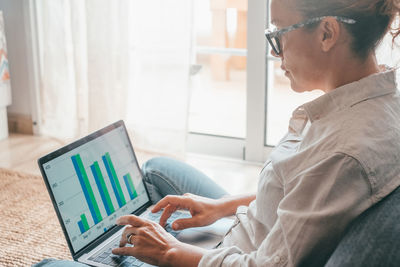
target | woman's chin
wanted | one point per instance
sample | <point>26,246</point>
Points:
<point>296,87</point>
<point>298,90</point>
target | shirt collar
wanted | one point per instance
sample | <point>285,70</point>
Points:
<point>375,85</point>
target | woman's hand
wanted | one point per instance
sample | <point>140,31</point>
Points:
<point>150,241</point>
<point>152,244</point>
<point>204,210</point>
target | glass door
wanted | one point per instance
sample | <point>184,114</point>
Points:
<point>217,109</point>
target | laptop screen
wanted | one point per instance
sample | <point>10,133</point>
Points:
<point>95,183</point>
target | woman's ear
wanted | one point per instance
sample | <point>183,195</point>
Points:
<point>329,33</point>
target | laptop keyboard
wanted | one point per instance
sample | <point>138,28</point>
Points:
<point>106,257</point>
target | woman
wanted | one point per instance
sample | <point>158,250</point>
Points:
<point>339,157</point>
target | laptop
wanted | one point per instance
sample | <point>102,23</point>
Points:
<point>97,179</point>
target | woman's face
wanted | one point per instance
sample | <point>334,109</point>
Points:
<point>301,55</point>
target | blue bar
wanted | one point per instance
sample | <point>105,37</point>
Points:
<point>103,196</point>
<point>80,224</point>
<point>84,189</point>
<point>129,187</point>
<point>110,176</point>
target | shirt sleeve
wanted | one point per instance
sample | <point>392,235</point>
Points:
<point>318,204</point>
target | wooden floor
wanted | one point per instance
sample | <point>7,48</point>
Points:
<point>20,153</point>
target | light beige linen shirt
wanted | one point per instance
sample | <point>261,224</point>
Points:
<point>340,156</point>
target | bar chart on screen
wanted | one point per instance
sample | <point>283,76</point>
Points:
<point>96,183</point>
<point>102,189</point>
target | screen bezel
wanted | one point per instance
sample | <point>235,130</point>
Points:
<point>66,149</point>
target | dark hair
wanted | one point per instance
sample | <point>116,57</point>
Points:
<point>374,19</point>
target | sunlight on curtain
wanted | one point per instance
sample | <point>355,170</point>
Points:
<point>104,60</point>
<point>388,52</point>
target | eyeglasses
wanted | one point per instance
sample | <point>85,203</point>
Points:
<point>273,36</point>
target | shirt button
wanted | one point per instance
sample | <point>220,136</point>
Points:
<point>277,259</point>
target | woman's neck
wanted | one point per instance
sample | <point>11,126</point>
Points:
<point>348,71</point>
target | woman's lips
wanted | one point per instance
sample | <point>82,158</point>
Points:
<point>284,69</point>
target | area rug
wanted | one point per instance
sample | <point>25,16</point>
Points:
<point>29,228</point>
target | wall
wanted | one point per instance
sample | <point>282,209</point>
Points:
<point>20,111</point>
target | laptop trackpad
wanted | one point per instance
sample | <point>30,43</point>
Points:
<point>207,236</point>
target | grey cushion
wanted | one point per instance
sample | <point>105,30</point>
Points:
<point>373,239</point>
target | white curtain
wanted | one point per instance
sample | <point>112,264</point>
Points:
<point>388,52</point>
<point>105,60</point>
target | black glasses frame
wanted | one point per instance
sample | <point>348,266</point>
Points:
<point>273,36</point>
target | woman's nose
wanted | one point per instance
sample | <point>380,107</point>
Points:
<point>273,53</point>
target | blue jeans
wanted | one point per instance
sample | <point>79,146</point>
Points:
<point>164,176</point>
